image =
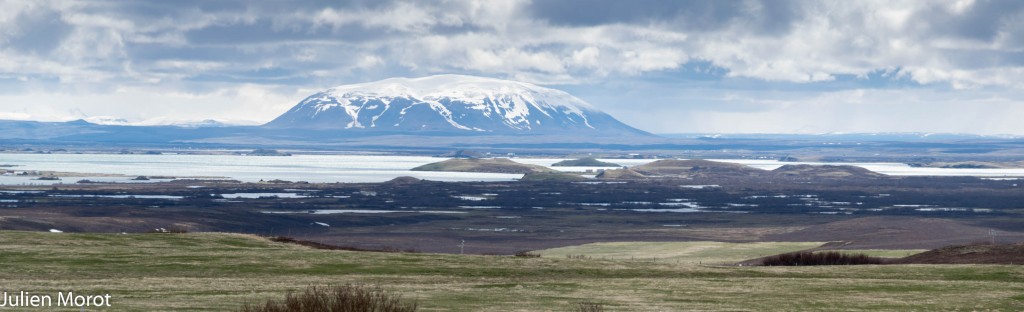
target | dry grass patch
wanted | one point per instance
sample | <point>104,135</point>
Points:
<point>677,252</point>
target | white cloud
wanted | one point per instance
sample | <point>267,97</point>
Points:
<point>962,48</point>
<point>586,57</point>
<point>369,61</point>
<point>651,60</point>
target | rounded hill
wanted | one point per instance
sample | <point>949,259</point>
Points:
<point>488,165</point>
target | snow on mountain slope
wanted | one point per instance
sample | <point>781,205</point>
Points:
<point>448,103</point>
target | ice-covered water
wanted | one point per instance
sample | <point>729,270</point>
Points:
<point>309,168</point>
<point>346,168</point>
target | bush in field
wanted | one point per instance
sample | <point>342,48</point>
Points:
<point>820,258</point>
<point>589,307</point>
<point>527,254</point>
<point>173,230</point>
<point>346,298</point>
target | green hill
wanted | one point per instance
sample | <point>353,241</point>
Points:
<point>488,165</point>
<point>620,174</point>
<point>825,171</point>
<point>689,168</point>
<point>584,162</point>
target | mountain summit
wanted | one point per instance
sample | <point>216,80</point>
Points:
<point>449,103</point>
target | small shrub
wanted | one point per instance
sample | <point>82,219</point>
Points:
<point>526,254</point>
<point>582,257</point>
<point>820,258</point>
<point>589,307</point>
<point>346,298</point>
<point>172,230</point>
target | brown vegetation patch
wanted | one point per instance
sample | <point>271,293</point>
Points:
<point>489,165</point>
<point>892,232</point>
<point>527,254</point>
<point>825,171</point>
<point>346,298</point>
<point>971,254</point>
<point>405,180</point>
<point>317,245</point>
<point>590,307</point>
<point>626,174</point>
<point>819,258</point>
<point>696,167</point>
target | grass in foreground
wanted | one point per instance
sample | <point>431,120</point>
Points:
<point>221,272</point>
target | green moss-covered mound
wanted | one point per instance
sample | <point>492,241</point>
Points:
<point>584,162</point>
<point>488,165</point>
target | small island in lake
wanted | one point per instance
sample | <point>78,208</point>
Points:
<point>265,152</point>
<point>487,165</point>
<point>584,162</point>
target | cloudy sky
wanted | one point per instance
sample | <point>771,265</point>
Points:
<point>755,66</point>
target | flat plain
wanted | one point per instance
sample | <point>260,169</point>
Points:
<point>219,272</point>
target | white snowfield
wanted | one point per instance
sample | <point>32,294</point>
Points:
<point>451,96</point>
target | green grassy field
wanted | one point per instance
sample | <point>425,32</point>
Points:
<point>678,252</point>
<point>219,272</point>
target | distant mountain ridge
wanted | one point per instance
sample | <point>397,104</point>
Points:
<point>449,103</point>
<point>160,122</point>
<point>15,134</point>
<point>456,112</point>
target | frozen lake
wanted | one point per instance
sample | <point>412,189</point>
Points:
<point>342,168</point>
<point>310,168</point>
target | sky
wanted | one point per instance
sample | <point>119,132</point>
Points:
<point>748,66</point>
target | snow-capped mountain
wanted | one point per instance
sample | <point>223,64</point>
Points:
<point>449,103</point>
<point>107,121</point>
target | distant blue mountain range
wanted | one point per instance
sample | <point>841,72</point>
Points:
<point>449,111</point>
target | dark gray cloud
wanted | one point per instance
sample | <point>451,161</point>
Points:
<point>985,58</point>
<point>158,9</point>
<point>983,20</point>
<point>770,16</point>
<point>38,31</point>
<point>265,31</point>
<point>644,36</point>
<point>149,52</point>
